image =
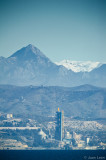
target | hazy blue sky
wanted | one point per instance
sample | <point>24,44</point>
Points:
<point>61,29</point>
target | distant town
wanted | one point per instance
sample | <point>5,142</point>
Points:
<point>57,133</point>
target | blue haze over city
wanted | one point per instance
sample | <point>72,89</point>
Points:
<point>53,75</point>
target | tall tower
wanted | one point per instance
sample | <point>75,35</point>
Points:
<point>59,132</point>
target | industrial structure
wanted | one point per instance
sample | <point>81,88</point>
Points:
<point>59,131</point>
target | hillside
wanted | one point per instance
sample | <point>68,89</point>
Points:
<point>82,101</point>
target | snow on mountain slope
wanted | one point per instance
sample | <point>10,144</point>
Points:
<point>79,66</point>
<point>29,66</point>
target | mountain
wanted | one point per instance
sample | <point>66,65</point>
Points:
<point>98,76</point>
<point>29,66</point>
<point>79,66</point>
<point>86,101</point>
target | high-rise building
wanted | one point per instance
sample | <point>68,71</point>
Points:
<point>59,131</point>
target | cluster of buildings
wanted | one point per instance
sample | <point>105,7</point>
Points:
<point>58,138</point>
<point>71,140</point>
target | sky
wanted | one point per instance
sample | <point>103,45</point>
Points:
<point>61,29</point>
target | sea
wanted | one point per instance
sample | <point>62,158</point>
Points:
<point>52,154</point>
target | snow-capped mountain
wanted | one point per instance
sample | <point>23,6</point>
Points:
<point>79,66</point>
<point>29,66</point>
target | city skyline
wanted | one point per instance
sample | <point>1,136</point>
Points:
<point>74,30</point>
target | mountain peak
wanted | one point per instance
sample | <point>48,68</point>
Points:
<point>31,47</point>
<point>28,52</point>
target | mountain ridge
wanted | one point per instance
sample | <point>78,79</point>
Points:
<point>83,101</point>
<point>29,66</point>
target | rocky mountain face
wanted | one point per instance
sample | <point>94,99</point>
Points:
<point>87,102</point>
<point>29,66</point>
